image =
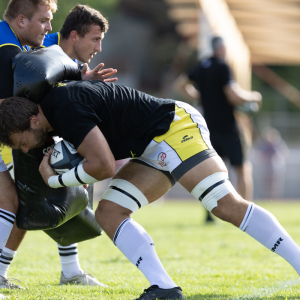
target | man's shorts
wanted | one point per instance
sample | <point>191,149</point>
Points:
<point>229,145</point>
<point>182,147</point>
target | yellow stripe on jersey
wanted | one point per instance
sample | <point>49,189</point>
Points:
<point>6,154</point>
<point>184,136</point>
<point>58,36</point>
<point>10,45</point>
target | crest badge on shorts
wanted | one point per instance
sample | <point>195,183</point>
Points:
<point>161,159</point>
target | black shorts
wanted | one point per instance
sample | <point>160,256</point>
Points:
<point>229,145</point>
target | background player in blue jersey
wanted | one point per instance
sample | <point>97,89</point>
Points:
<point>81,37</point>
<point>26,22</point>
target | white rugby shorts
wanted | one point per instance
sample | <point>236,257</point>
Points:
<point>183,146</point>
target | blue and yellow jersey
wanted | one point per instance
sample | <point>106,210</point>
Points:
<point>52,39</point>
<point>9,38</point>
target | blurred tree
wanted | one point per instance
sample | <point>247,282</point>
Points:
<point>106,7</point>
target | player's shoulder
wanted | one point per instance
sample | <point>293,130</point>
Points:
<point>52,39</point>
<point>8,37</point>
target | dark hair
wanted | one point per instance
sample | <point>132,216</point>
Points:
<point>15,115</point>
<point>81,18</point>
<point>216,43</point>
<point>26,8</point>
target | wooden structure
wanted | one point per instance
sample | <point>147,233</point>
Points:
<point>255,31</point>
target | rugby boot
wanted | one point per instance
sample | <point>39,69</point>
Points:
<point>6,284</point>
<point>154,292</point>
<point>83,279</point>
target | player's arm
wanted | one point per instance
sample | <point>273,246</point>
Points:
<point>99,164</point>
<point>236,95</point>
<point>185,88</point>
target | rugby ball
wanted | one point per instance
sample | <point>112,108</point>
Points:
<point>65,157</point>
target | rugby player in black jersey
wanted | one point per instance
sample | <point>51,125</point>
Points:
<point>168,141</point>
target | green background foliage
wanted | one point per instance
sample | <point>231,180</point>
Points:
<point>106,7</point>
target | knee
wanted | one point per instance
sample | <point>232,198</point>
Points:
<point>231,208</point>
<point>245,170</point>
<point>9,199</point>
<point>107,212</point>
<point>101,214</point>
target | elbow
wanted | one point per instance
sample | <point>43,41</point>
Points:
<point>100,170</point>
<point>111,169</point>
<point>105,171</point>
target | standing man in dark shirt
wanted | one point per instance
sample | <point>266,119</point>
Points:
<point>219,95</point>
<point>168,141</point>
<point>27,22</point>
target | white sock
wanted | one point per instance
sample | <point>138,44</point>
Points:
<point>69,260</point>
<point>6,257</point>
<point>137,245</point>
<point>7,220</point>
<point>264,227</point>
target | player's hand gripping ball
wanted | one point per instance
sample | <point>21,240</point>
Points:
<point>64,157</point>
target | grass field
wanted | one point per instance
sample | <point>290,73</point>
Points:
<point>214,261</point>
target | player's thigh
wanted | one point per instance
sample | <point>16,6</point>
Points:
<point>202,170</point>
<point>150,181</point>
<point>229,206</point>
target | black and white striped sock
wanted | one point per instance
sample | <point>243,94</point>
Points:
<point>6,257</point>
<point>7,220</point>
<point>69,260</point>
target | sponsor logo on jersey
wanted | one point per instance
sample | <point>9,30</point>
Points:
<point>276,244</point>
<point>138,262</point>
<point>161,159</point>
<point>132,154</point>
<point>60,84</point>
<point>186,138</point>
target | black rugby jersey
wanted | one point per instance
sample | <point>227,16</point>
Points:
<point>129,119</point>
<point>210,77</point>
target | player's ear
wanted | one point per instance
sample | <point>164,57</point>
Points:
<point>21,20</point>
<point>74,35</point>
<point>34,122</point>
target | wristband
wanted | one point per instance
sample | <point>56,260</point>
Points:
<point>74,177</point>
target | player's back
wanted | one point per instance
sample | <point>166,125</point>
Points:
<point>121,113</point>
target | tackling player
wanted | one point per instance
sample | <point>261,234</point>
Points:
<point>168,140</point>
<point>26,22</point>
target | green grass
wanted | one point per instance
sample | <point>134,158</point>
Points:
<point>214,261</point>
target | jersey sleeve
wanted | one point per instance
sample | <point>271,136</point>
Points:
<point>80,121</point>
<point>6,74</point>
